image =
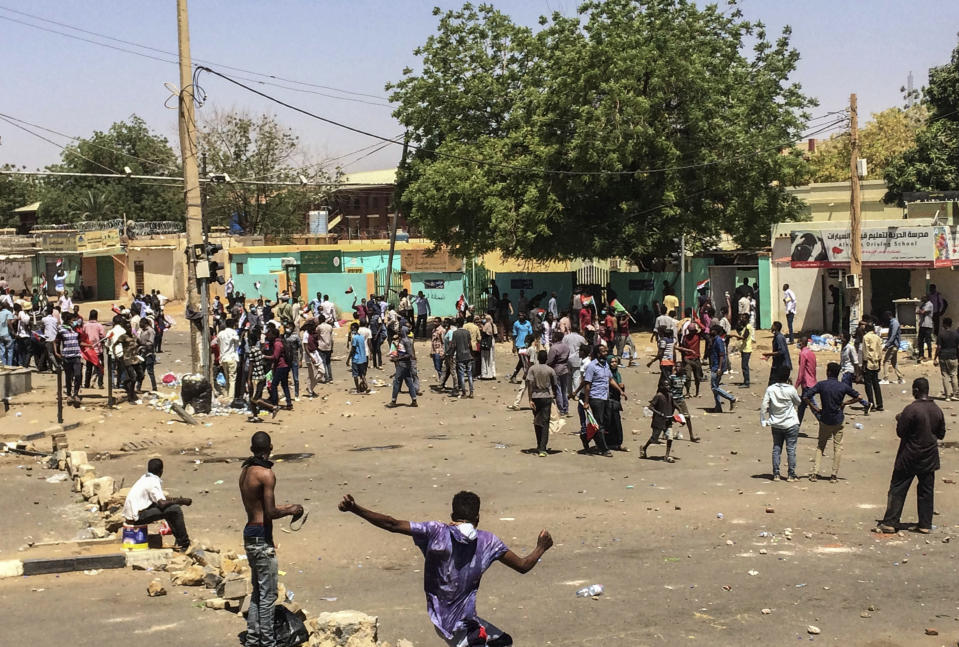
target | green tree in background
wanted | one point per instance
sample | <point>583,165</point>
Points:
<point>259,149</point>
<point>889,134</point>
<point>932,162</point>
<point>15,191</point>
<point>129,144</point>
<point>680,126</point>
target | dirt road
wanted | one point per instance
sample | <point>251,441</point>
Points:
<point>679,547</point>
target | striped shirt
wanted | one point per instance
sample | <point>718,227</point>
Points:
<point>255,354</point>
<point>70,345</point>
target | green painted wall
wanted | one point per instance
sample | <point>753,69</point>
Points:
<point>766,291</point>
<point>442,301</point>
<point>548,282</point>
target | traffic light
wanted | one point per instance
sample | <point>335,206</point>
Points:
<point>212,249</point>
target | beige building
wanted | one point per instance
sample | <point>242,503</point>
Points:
<point>904,251</point>
<point>829,201</point>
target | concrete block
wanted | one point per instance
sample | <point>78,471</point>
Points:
<point>11,568</point>
<point>103,486</point>
<point>215,603</point>
<point>233,588</point>
<point>144,560</point>
<point>75,459</point>
<point>155,589</point>
<point>211,577</point>
<point>176,562</point>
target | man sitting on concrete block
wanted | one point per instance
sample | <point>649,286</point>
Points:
<point>146,503</point>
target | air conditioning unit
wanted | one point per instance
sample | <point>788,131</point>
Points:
<point>852,282</point>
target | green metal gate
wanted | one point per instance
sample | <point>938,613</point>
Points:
<point>476,280</point>
<point>390,284</point>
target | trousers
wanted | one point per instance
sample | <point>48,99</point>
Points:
<point>173,515</point>
<point>890,357</point>
<point>261,557</point>
<point>787,436</point>
<point>899,488</point>
<point>948,368</point>
<point>827,433</point>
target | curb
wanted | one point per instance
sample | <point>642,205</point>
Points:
<point>59,429</point>
<point>142,560</point>
<point>18,568</point>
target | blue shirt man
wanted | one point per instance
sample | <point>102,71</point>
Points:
<point>598,375</point>
<point>522,331</point>
<point>832,392</point>
<point>717,355</point>
<point>359,349</point>
<point>895,334</point>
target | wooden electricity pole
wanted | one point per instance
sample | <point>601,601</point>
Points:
<point>191,181</point>
<point>855,220</point>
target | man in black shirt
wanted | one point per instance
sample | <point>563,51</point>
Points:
<point>947,359</point>
<point>920,427</point>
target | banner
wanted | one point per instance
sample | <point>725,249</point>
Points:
<point>320,262</point>
<point>908,247</point>
<point>420,260</point>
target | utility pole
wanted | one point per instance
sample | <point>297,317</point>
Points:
<point>191,183</point>
<point>396,213</point>
<point>854,285</point>
<point>682,277</point>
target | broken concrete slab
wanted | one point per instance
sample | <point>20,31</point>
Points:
<point>343,629</point>
<point>155,589</point>
<point>233,588</point>
<point>145,560</point>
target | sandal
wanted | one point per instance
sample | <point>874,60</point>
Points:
<point>669,459</point>
<point>642,453</point>
<point>888,530</point>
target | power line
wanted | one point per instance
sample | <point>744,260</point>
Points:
<point>169,53</point>
<point>50,141</point>
<point>78,139</point>
<point>509,167</point>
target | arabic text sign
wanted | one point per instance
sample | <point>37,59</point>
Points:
<point>891,247</point>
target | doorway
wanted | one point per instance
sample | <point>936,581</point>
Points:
<point>888,284</point>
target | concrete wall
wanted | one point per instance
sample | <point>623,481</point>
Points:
<point>442,302</point>
<point>18,272</point>
<point>336,285</point>
<point>548,282</point>
<point>370,261</point>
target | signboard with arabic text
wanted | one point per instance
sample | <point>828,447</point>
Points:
<point>908,247</point>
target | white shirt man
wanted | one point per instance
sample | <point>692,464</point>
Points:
<point>552,307</point>
<point>744,305</point>
<point>789,298</point>
<point>145,492</point>
<point>328,310</point>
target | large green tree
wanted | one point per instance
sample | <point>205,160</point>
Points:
<point>126,144</point>
<point>888,135</point>
<point>15,191</point>
<point>932,163</point>
<point>604,134</point>
<point>261,157</point>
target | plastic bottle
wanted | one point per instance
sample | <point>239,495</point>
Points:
<point>858,425</point>
<point>590,591</point>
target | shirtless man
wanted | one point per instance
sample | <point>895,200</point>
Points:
<point>457,555</point>
<point>256,488</point>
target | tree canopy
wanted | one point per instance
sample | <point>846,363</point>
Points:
<point>889,134</point>
<point>609,133</point>
<point>129,144</point>
<point>257,147</point>
<point>932,162</point>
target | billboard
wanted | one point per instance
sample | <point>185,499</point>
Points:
<point>889,247</point>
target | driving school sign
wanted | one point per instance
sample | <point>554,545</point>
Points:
<point>889,247</point>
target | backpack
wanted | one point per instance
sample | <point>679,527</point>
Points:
<point>291,347</point>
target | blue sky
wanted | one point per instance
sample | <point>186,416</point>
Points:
<point>358,45</point>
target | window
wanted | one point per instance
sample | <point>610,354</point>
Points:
<point>356,203</point>
<point>239,268</point>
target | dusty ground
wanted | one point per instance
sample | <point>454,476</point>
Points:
<point>648,531</point>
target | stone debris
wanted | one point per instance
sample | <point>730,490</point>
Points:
<point>814,630</point>
<point>192,576</point>
<point>343,629</point>
<point>155,589</point>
